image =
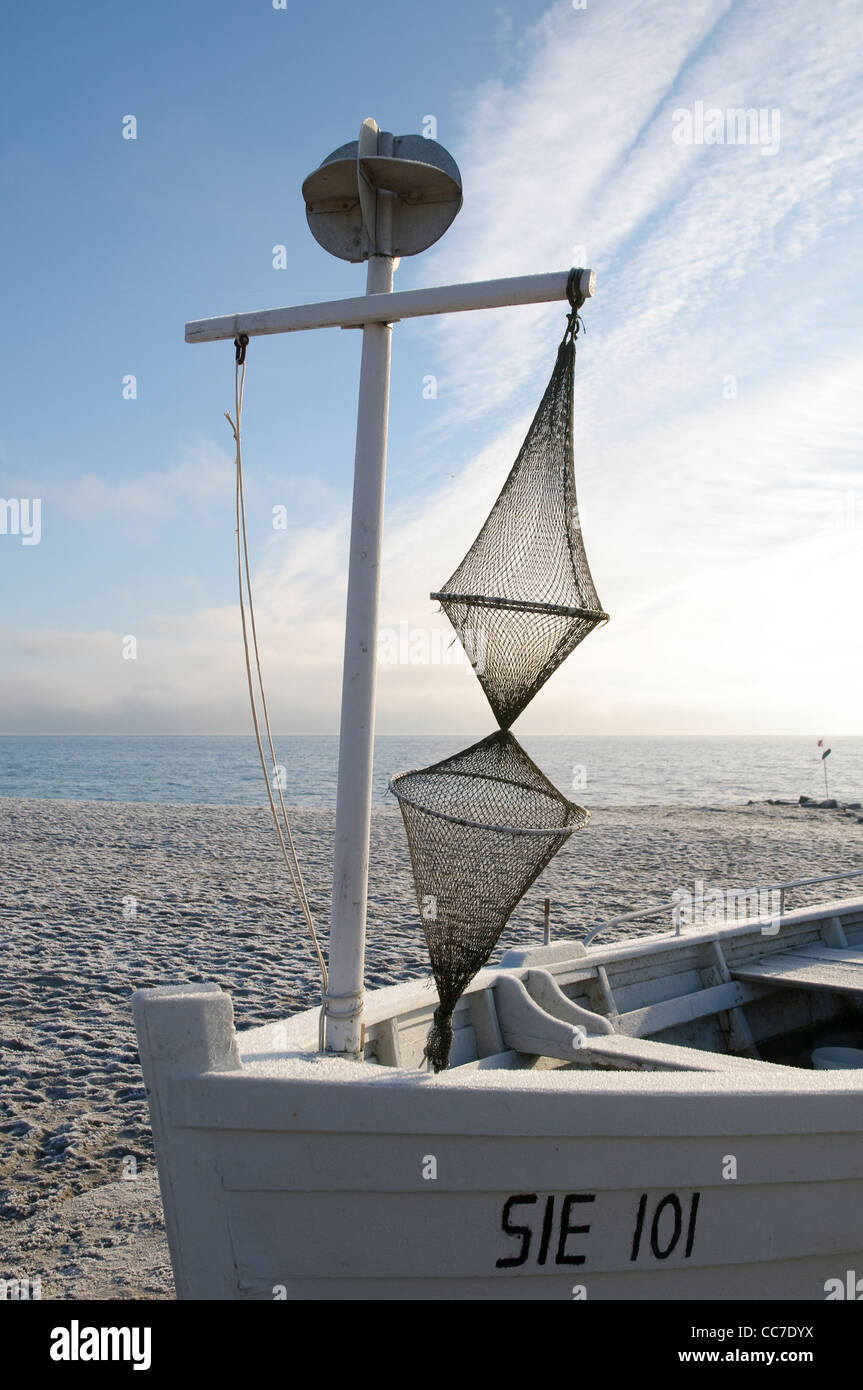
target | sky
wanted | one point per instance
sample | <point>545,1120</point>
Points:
<point>718,403</point>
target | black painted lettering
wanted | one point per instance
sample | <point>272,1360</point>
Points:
<point>639,1226</point>
<point>569,1201</point>
<point>673,1201</point>
<point>693,1212</point>
<point>513,1261</point>
<point>545,1238</point>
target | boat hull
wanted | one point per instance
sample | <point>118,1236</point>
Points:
<point>289,1175</point>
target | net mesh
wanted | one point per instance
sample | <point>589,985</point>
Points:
<point>483,824</point>
<point>523,597</point>
<point>481,827</point>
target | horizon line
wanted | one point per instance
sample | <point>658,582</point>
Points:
<point>77,733</point>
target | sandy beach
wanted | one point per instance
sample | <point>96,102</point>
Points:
<point>98,899</point>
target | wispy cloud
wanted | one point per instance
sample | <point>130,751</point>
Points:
<point>718,414</point>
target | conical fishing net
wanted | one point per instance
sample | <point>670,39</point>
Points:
<point>523,598</point>
<point>481,827</point>
<point>483,824</point>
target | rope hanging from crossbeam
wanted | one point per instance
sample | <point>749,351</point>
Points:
<point>250,647</point>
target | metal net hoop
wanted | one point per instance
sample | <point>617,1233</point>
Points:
<point>481,826</point>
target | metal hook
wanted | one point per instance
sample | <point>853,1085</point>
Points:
<point>241,343</point>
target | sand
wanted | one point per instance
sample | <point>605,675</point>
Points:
<point>98,899</point>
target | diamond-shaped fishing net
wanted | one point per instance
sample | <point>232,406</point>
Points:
<point>523,598</point>
<point>481,827</point>
<point>483,824</point>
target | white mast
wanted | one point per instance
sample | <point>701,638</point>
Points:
<point>344,1011</point>
<point>345,995</point>
<point>375,199</point>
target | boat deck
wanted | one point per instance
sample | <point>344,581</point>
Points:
<point>809,967</point>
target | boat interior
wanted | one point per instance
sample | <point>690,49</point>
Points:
<point>784,994</point>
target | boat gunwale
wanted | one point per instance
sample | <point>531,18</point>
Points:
<point>297,1034</point>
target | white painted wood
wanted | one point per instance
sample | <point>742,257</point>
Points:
<point>833,934</point>
<point>387,1047</point>
<point>835,955</point>
<point>410,1236</point>
<point>463,1048</point>
<point>483,1016</point>
<point>187,1029</point>
<point>527,955</point>
<point>607,992</point>
<point>344,999</point>
<point>527,1026</point>
<point>545,991</point>
<point>404,304</point>
<point>643,1053</point>
<point>800,919</point>
<point>784,1279</point>
<point>794,970</point>
<point>669,1013</point>
<point>280,1166</point>
<point>723,975</point>
<point>258,1162</point>
<point>367,144</point>
<point>653,988</point>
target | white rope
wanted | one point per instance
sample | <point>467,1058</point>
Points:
<point>286,839</point>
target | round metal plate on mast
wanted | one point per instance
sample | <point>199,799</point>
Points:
<point>382,195</point>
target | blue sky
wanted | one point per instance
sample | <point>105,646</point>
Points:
<point>718,399</point>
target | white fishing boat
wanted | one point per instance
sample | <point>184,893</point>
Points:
<point>665,1117</point>
<point>609,1127</point>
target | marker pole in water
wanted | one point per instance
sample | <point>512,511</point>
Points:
<point>824,756</point>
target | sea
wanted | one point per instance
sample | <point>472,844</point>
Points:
<point>597,770</point>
